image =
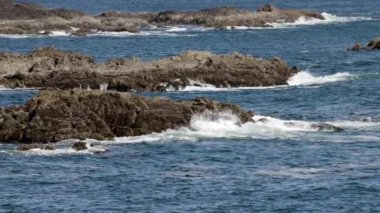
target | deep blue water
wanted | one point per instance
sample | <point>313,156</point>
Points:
<point>219,167</point>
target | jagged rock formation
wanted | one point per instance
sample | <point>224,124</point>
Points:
<point>25,18</point>
<point>374,44</point>
<point>53,116</point>
<point>51,68</point>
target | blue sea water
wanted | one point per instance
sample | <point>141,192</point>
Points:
<point>218,166</point>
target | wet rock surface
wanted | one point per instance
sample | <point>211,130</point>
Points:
<point>374,44</point>
<point>25,18</point>
<point>79,146</point>
<point>53,116</point>
<point>52,68</point>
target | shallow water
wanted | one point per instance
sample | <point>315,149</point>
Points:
<point>216,165</point>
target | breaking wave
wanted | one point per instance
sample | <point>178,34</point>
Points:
<point>329,19</point>
<point>305,78</point>
<point>225,125</point>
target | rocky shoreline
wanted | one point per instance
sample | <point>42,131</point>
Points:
<point>53,116</point>
<point>51,68</point>
<point>25,18</point>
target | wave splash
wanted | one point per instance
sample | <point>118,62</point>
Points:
<point>225,125</point>
<point>329,19</point>
<point>305,78</point>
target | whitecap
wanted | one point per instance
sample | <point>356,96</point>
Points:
<point>305,78</point>
<point>225,125</point>
<point>141,33</point>
<point>358,125</point>
<point>329,19</point>
<point>288,172</point>
<point>64,148</point>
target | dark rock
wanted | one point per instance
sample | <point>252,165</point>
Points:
<point>356,47</point>
<point>79,146</point>
<point>326,127</point>
<point>223,17</point>
<point>51,68</point>
<point>374,44</point>
<point>54,116</point>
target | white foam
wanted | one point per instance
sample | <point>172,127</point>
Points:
<point>305,78</point>
<point>59,33</point>
<point>64,148</point>
<point>14,36</point>
<point>4,88</point>
<point>329,19</point>
<point>226,125</point>
<point>296,173</point>
<point>358,125</point>
<point>187,28</point>
<point>141,33</point>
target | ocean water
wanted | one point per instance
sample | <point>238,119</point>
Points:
<point>283,165</point>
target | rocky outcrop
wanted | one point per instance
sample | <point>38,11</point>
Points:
<point>374,44</point>
<point>51,68</point>
<point>25,18</point>
<point>54,116</point>
<point>228,16</point>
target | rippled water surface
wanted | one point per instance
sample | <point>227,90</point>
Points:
<point>217,166</point>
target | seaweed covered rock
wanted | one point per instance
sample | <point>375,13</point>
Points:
<point>54,116</point>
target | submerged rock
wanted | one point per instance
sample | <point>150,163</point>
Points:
<point>51,68</point>
<point>326,127</point>
<point>27,147</point>
<point>54,116</point>
<point>26,18</point>
<point>374,44</point>
<point>79,146</point>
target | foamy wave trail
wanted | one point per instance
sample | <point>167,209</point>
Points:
<point>187,28</point>
<point>294,173</point>
<point>64,148</point>
<point>329,19</point>
<point>4,88</point>
<point>367,125</point>
<point>305,78</point>
<point>141,33</point>
<point>227,125</point>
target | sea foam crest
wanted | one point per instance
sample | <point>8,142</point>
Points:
<point>329,19</point>
<point>305,78</point>
<point>211,125</point>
